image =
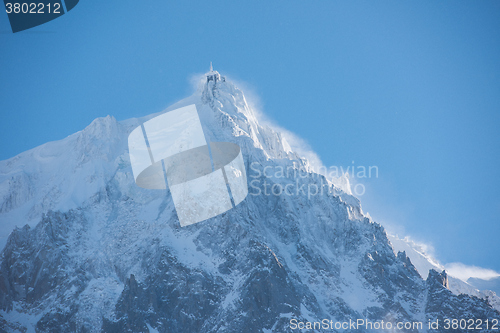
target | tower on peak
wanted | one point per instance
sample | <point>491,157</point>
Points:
<point>214,75</point>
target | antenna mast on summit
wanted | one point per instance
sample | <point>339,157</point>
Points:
<point>211,68</point>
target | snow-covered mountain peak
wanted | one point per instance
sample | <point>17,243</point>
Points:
<point>66,174</point>
<point>104,255</point>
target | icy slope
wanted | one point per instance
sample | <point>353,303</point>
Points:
<point>105,255</point>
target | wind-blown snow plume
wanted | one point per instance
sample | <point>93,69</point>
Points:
<point>465,272</point>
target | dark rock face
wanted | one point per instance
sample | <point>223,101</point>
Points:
<point>36,267</point>
<point>443,305</point>
<point>180,299</point>
<point>35,262</point>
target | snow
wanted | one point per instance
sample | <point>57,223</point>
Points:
<point>422,261</point>
<point>20,316</point>
<point>151,329</point>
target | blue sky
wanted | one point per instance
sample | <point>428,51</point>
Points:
<point>411,87</point>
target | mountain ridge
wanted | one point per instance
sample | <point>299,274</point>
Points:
<point>103,255</point>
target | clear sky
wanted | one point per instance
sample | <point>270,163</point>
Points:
<point>412,87</point>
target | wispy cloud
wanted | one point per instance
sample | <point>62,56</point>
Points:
<point>422,256</point>
<point>465,272</point>
<point>298,145</point>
